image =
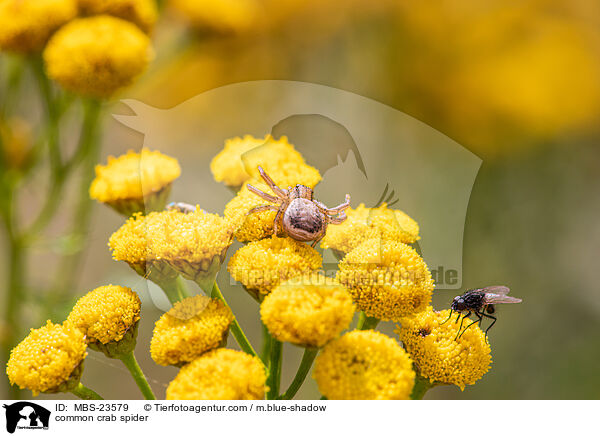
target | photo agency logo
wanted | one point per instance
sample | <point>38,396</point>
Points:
<point>24,415</point>
<point>361,147</point>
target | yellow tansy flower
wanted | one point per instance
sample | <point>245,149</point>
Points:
<point>438,355</point>
<point>142,13</point>
<point>261,265</point>
<point>238,162</point>
<point>192,327</point>
<point>366,223</point>
<point>135,182</point>
<point>26,25</point>
<point>49,359</point>
<point>106,313</point>
<point>308,310</point>
<point>193,244</point>
<point>96,56</point>
<point>364,365</point>
<point>387,279</point>
<point>221,374</point>
<point>16,142</point>
<point>221,16</point>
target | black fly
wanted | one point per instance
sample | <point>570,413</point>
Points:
<point>481,303</point>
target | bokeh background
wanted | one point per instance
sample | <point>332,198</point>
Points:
<point>516,84</point>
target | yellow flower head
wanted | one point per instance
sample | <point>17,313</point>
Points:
<point>142,13</point>
<point>238,163</point>
<point>98,55</point>
<point>49,359</point>
<point>387,279</point>
<point>106,313</point>
<point>366,223</point>
<point>135,182</point>
<point>261,265</point>
<point>364,365</point>
<point>221,16</point>
<point>438,355</point>
<point>221,374</point>
<point>191,328</point>
<point>308,310</point>
<point>26,25</point>
<point>193,244</point>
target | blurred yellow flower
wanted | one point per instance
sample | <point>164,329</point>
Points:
<point>261,265</point>
<point>135,182</point>
<point>97,56</point>
<point>364,365</point>
<point>106,313</point>
<point>308,310</point>
<point>221,374</point>
<point>221,16</point>
<point>49,359</point>
<point>438,355</point>
<point>193,244</point>
<point>366,223</point>
<point>142,13</point>
<point>238,162</point>
<point>26,25</point>
<point>191,328</point>
<point>387,279</point>
<point>16,140</point>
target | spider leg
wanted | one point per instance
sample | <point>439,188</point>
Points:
<point>341,207</point>
<point>338,219</point>
<point>261,208</point>
<point>276,189</point>
<point>263,195</point>
<point>276,221</point>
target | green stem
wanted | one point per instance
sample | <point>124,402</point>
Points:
<point>366,322</point>
<point>266,346</point>
<point>307,360</point>
<point>236,330</point>
<point>85,393</point>
<point>138,375</point>
<point>15,279</point>
<point>66,275</point>
<point>274,378</point>
<point>422,385</point>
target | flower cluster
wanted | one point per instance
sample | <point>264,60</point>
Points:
<point>220,375</point>
<point>135,182</point>
<point>142,13</point>
<point>26,25</point>
<point>49,359</point>
<point>364,365</point>
<point>96,56</point>
<point>441,358</point>
<point>308,310</point>
<point>261,265</point>
<point>191,328</point>
<point>380,275</point>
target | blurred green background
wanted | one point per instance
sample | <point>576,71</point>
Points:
<point>516,84</point>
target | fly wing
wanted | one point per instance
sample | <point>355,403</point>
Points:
<point>491,298</point>
<point>500,290</point>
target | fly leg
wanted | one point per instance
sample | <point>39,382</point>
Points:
<point>461,323</point>
<point>449,316</point>
<point>474,322</point>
